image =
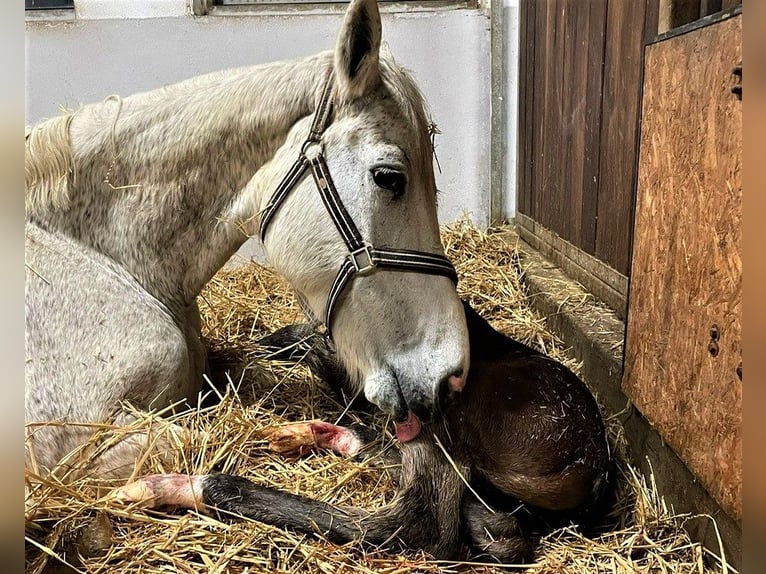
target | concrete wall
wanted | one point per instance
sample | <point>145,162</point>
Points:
<point>121,47</point>
<point>510,25</point>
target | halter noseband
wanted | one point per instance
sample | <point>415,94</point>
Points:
<point>363,257</point>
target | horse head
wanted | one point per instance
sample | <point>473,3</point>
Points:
<point>401,334</point>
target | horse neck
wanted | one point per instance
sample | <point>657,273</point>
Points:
<point>156,174</point>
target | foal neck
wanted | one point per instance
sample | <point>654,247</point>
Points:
<point>148,180</point>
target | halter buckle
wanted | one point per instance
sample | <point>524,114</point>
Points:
<point>361,259</point>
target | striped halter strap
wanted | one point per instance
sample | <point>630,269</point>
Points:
<point>363,257</point>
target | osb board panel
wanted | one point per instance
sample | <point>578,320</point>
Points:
<point>687,266</point>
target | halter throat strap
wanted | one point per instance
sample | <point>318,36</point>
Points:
<point>363,258</point>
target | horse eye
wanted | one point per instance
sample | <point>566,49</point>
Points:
<point>390,180</point>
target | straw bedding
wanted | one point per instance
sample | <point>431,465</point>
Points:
<point>71,523</point>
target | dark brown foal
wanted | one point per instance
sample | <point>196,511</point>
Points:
<point>525,433</point>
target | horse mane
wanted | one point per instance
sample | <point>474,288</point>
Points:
<point>49,168</point>
<point>400,83</point>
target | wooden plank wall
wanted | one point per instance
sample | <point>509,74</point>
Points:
<point>621,98</point>
<point>580,85</point>
<point>686,279</point>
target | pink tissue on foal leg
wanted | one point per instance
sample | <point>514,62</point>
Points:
<point>341,440</point>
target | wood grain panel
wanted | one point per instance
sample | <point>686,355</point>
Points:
<point>592,122</point>
<point>540,66</point>
<point>525,105</point>
<point>619,130</point>
<point>550,115</point>
<point>572,132</point>
<point>687,266</point>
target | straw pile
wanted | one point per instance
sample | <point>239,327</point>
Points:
<point>242,304</point>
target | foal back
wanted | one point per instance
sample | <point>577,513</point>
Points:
<point>530,427</point>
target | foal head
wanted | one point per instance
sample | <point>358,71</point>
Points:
<point>401,334</point>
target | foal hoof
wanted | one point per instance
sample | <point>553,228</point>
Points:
<point>162,491</point>
<point>301,438</point>
<point>139,491</point>
<point>292,440</point>
<point>95,537</point>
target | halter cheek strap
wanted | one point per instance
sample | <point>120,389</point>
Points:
<point>363,257</point>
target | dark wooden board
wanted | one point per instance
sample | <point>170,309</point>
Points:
<point>619,128</point>
<point>580,75</point>
<point>525,107</point>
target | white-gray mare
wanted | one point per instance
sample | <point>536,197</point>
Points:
<point>133,204</point>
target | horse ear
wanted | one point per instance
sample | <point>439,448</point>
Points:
<point>356,51</point>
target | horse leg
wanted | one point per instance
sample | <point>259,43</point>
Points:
<point>95,340</point>
<point>408,523</point>
<point>298,438</point>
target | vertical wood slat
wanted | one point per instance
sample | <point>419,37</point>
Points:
<point>620,112</point>
<point>571,128</point>
<point>526,45</point>
<point>550,185</point>
<point>582,79</point>
<point>532,71</point>
<point>591,152</point>
<point>540,65</point>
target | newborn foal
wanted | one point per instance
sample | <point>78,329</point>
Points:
<point>525,434</point>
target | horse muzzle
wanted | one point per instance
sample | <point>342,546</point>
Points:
<point>413,401</point>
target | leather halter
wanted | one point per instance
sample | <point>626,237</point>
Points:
<point>363,257</point>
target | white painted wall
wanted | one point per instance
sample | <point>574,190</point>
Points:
<point>121,47</point>
<point>109,9</point>
<point>511,49</point>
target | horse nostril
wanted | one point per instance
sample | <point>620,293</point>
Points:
<point>456,383</point>
<point>448,387</point>
<point>423,412</point>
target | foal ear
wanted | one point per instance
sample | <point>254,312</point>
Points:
<point>356,51</point>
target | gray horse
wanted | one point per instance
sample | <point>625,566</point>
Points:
<point>133,204</point>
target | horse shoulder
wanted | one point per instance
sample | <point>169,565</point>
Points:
<point>94,333</point>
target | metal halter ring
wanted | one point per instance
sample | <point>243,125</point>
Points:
<point>312,149</point>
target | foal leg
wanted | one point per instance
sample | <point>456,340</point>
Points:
<point>496,536</point>
<point>300,343</point>
<point>231,497</point>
